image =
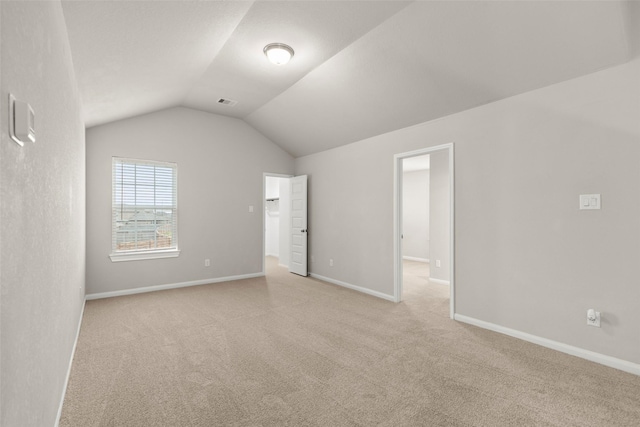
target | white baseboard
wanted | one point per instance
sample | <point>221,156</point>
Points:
<point>602,359</point>
<point>284,266</point>
<point>170,286</point>
<point>412,258</point>
<point>439,281</point>
<point>273,255</point>
<point>73,353</point>
<point>354,287</point>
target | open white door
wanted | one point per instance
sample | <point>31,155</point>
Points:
<point>298,259</point>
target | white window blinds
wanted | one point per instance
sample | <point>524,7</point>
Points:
<point>145,206</point>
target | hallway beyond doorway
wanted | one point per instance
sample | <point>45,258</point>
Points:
<point>416,285</point>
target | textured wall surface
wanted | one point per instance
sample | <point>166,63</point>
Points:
<point>221,162</point>
<point>526,257</point>
<point>42,196</point>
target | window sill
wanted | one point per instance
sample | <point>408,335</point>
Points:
<point>138,256</point>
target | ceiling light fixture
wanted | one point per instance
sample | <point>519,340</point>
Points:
<point>278,53</point>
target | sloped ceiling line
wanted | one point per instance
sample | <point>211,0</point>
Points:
<point>361,68</point>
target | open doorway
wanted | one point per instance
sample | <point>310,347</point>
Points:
<point>423,216</point>
<point>277,223</point>
<point>415,224</point>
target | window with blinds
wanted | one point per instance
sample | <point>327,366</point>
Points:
<point>145,209</point>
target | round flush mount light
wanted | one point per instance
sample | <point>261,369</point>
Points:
<point>278,53</point>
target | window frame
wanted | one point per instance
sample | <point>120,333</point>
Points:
<point>142,254</point>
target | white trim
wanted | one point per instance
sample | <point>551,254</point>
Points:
<point>73,353</point>
<point>612,362</point>
<point>412,258</point>
<point>439,281</point>
<point>354,287</point>
<point>397,228</point>
<point>139,256</point>
<point>122,292</point>
<point>452,226</point>
<point>264,207</point>
<point>397,220</point>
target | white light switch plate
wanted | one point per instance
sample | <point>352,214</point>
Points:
<point>589,201</point>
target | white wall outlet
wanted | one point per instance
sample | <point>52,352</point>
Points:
<point>593,318</point>
<point>207,262</point>
<point>250,208</point>
<point>438,263</point>
<point>589,201</point>
<point>331,262</point>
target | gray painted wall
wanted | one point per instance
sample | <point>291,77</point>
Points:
<point>415,214</point>
<point>221,162</point>
<point>440,216</point>
<point>526,257</point>
<point>42,196</point>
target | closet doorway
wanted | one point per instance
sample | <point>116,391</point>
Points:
<point>276,221</point>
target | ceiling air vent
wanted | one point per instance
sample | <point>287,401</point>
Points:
<point>228,102</point>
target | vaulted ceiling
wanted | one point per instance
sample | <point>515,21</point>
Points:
<point>361,68</point>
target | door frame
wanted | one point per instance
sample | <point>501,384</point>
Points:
<point>264,208</point>
<point>397,220</point>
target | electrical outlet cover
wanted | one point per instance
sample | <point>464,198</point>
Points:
<point>595,322</point>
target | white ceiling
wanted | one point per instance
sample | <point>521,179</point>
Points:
<point>134,57</point>
<point>315,30</point>
<point>361,68</point>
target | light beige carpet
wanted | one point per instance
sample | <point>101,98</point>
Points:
<point>291,351</point>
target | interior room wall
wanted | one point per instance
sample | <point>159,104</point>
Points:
<point>526,257</point>
<point>285,221</point>
<point>440,217</point>
<point>42,215</point>
<point>415,215</point>
<point>221,162</point>
<point>272,218</point>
